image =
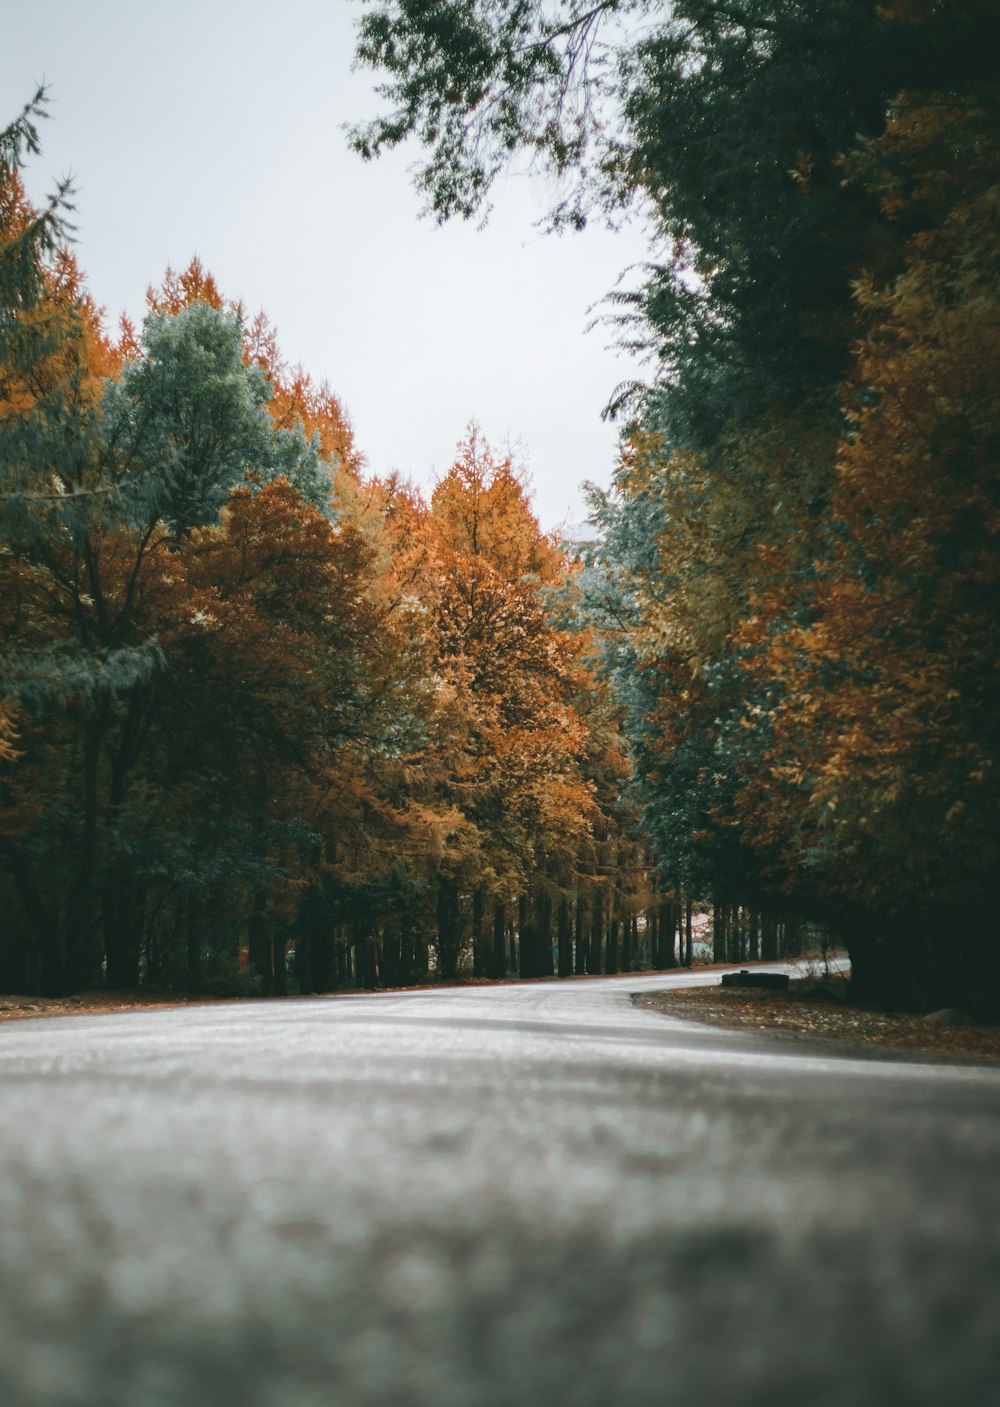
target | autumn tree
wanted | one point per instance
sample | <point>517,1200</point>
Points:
<point>116,458</point>
<point>57,500</point>
<point>879,769</point>
<point>797,574</point>
<point>294,401</point>
<point>522,678</point>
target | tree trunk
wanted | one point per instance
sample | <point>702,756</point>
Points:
<point>755,939</point>
<point>653,936</point>
<point>304,947</point>
<point>668,934</point>
<point>480,963</point>
<point>580,928</point>
<point>366,975</point>
<point>121,946</point>
<point>341,975</point>
<point>53,978</point>
<point>261,958</point>
<point>407,949</point>
<point>543,908</point>
<point>448,926</point>
<point>390,955</point>
<point>81,963</point>
<point>718,932</point>
<point>564,931</point>
<point>193,918</point>
<point>611,953</point>
<point>498,964</point>
<point>792,945</point>
<point>594,956</point>
<point>769,938</point>
<point>526,938</point>
<point>322,945</point>
<point>279,947</point>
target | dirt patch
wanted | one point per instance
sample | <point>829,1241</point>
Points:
<point>93,1003</point>
<point>804,1013</point>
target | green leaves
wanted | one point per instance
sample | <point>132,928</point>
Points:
<point>187,421</point>
<point>475,83</point>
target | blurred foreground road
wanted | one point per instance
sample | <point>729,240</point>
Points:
<point>533,1195</point>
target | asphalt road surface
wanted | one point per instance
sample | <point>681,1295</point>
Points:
<point>477,1197</point>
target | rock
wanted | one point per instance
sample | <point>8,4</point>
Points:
<point>949,1016</point>
<point>770,981</point>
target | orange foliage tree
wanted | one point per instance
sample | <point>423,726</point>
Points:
<point>881,768</point>
<point>254,702</point>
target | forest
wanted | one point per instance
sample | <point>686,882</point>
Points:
<point>270,721</point>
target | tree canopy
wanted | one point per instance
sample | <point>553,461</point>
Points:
<point>796,579</point>
<point>254,701</point>
<point>267,716</point>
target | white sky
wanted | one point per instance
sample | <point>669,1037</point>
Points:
<point>214,128</point>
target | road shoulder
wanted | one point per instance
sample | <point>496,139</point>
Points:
<point>799,1017</point>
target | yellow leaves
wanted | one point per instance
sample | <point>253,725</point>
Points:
<point>8,734</point>
<point>204,620</point>
<point>508,739</point>
<point>801,172</point>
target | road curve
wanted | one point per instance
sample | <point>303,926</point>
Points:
<point>482,1197</point>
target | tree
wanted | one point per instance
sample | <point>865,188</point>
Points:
<point>545,755</point>
<point>109,469</point>
<point>477,82</point>
<point>187,420</point>
<point>56,501</point>
<point>799,565</point>
<point>879,771</point>
<point>722,124</point>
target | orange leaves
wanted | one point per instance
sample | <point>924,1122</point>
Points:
<point>194,285</point>
<point>481,508</point>
<point>506,744</point>
<point>276,583</point>
<point>334,707</point>
<point>8,734</point>
<point>880,764</point>
<point>297,400</point>
<point>65,354</point>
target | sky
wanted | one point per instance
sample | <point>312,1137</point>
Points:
<point>216,129</point>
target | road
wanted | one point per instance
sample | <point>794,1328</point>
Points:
<point>483,1197</point>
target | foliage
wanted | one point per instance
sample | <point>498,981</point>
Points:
<point>797,580</point>
<point>812,641</point>
<point>251,698</point>
<point>880,772</point>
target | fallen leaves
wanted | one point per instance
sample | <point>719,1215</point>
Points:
<point>798,1016</point>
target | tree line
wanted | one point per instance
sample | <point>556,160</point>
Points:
<point>256,699</point>
<point>797,583</point>
<point>267,717</point>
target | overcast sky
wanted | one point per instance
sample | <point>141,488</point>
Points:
<point>215,128</point>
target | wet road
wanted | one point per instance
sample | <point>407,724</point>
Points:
<point>485,1197</point>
